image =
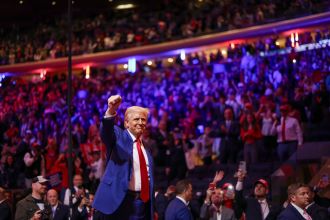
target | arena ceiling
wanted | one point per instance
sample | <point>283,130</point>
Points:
<point>31,10</point>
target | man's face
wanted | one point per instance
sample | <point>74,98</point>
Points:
<point>52,197</point>
<point>301,197</point>
<point>136,123</point>
<point>40,188</point>
<point>260,190</point>
<point>228,114</point>
<point>77,181</point>
<point>217,196</point>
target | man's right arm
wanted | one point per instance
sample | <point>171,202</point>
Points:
<point>240,201</point>
<point>107,125</point>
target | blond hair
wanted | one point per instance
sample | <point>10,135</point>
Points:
<point>138,109</point>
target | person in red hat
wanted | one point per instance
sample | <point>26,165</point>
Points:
<point>289,133</point>
<point>257,207</point>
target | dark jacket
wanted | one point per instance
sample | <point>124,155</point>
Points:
<point>252,207</point>
<point>290,213</point>
<point>26,208</point>
<point>5,211</point>
<point>62,212</point>
<point>177,210</point>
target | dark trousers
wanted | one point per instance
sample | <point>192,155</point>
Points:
<point>286,149</point>
<point>132,208</point>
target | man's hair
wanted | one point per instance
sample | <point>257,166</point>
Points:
<point>292,189</point>
<point>133,109</point>
<point>182,186</point>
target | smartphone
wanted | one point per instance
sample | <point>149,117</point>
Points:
<point>242,166</point>
<point>212,186</point>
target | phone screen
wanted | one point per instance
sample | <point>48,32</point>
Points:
<point>242,166</point>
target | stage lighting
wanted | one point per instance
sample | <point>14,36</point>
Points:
<point>132,65</point>
<point>182,55</point>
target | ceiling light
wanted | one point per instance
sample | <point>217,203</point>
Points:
<point>170,60</point>
<point>125,6</point>
<point>53,3</point>
<point>21,2</point>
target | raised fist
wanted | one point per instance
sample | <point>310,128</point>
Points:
<point>113,104</point>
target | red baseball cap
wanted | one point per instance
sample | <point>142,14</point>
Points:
<point>263,182</point>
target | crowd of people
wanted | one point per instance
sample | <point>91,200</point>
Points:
<point>176,20</point>
<point>218,111</point>
<point>202,111</point>
<point>225,201</point>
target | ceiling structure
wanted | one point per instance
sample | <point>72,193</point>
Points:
<point>22,11</point>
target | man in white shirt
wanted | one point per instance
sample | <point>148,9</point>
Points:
<point>126,189</point>
<point>289,134</point>
<point>298,194</point>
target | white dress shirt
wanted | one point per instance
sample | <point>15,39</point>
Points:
<point>293,130</point>
<point>135,181</point>
<point>183,200</point>
<point>301,211</point>
<point>264,208</point>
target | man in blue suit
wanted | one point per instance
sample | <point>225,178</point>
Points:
<point>298,194</point>
<point>178,208</point>
<point>126,189</point>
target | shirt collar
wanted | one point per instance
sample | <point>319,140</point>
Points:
<point>262,200</point>
<point>300,210</point>
<point>55,206</point>
<point>132,136</point>
<point>183,200</point>
<point>2,201</point>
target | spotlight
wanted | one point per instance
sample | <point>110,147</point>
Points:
<point>170,60</point>
<point>182,55</point>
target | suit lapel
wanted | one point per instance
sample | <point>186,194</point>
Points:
<point>295,211</point>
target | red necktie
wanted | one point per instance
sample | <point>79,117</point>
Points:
<point>144,173</point>
<point>283,130</point>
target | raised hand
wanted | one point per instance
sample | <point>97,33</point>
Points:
<point>218,176</point>
<point>113,104</point>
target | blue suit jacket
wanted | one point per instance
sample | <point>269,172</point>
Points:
<point>290,213</point>
<point>177,210</point>
<point>115,181</point>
